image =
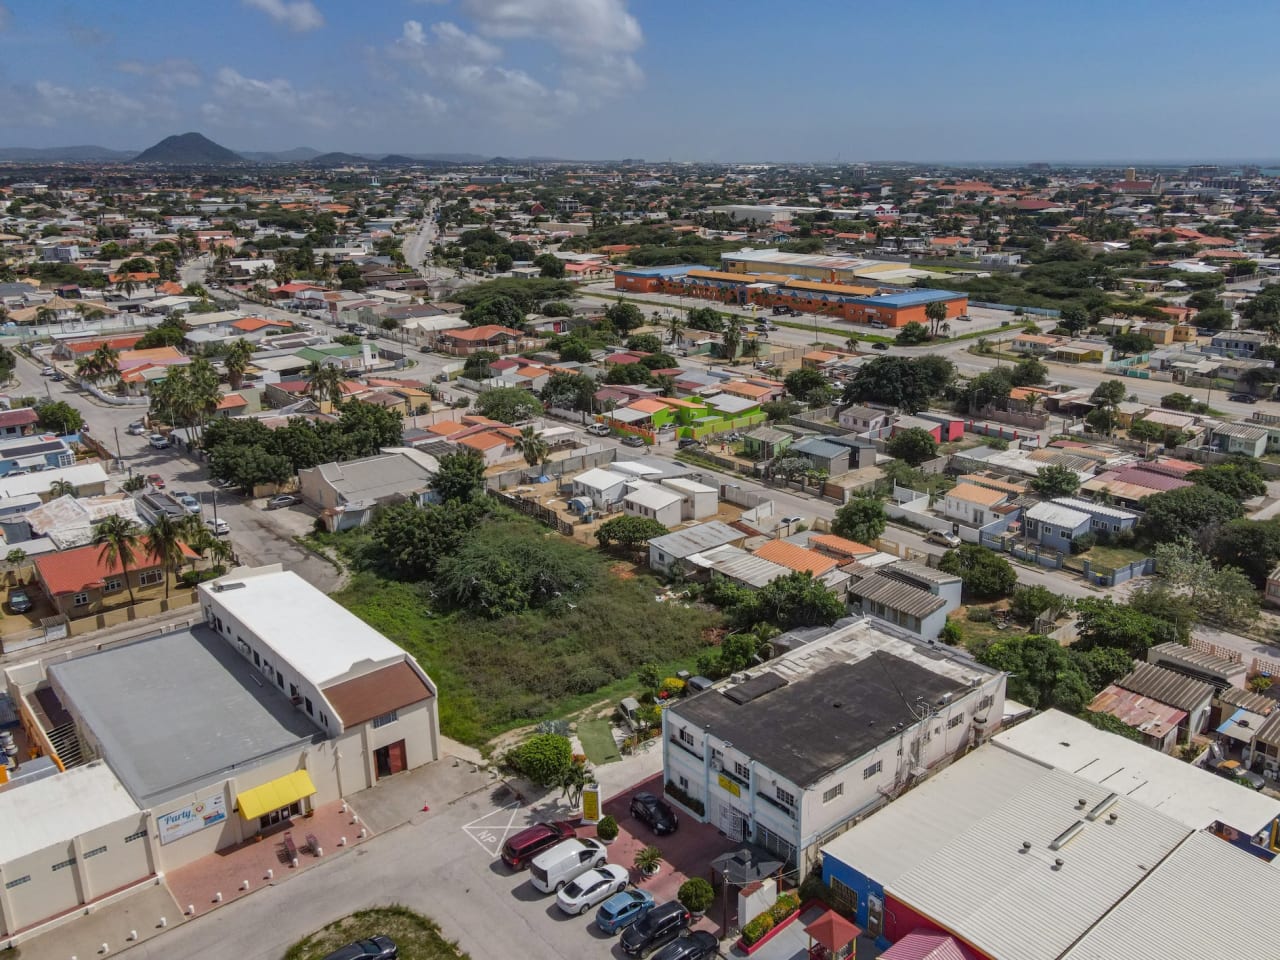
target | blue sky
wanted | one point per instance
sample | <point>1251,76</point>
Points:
<point>692,80</point>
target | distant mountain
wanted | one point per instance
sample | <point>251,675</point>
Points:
<point>338,159</point>
<point>80,154</point>
<point>296,155</point>
<point>398,160</point>
<point>188,150</point>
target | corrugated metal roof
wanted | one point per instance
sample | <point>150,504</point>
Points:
<point>1256,702</point>
<point>1167,686</point>
<point>1196,658</point>
<point>1011,901</point>
<point>705,536</point>
<point>1058,515</point>
<point>896,595</point>
<point>1095,509</point>
<point>1148,716</point>
<point>737,564</point>
<point>1173,913</point>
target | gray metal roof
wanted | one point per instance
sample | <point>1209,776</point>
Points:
<point>896,595</point>
<point>178,711</point>
<point>919,571</point>
<point>705,536</point>
<point>372,478</point>
<point>1197,658</point>
<point>819,447</point>
<point>1095,509</point>
<point>1166,686</point>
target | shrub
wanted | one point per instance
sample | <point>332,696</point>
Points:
<point>543,759</point>
<point>981,615</point>
<point>814,889</point>
<point>757,928</point>
<point>783,907</point>
<point>678,795</point>
<point>1084,543</point>
<point>951,634</point>
<point>696,894</point>
<point>607,828</point>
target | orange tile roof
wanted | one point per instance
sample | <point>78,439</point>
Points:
<point>70,571</point>
<point>974,494</point>
<point>830,541</point>
<point>115,343</point>
<point>486,332</point>
<point>485,441</point>
<point>445,428</point>
<point>752,391</point>
<point>250,324</point>
<point>796,558</point>
<point>647,405</point>
<point>232,401</point>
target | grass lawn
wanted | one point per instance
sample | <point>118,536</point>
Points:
<point>597,741</point>
<point>416,937</point>
<point>498,674</point>
<point>1112,557</point>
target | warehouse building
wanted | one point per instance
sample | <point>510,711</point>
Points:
<point>278,702</point>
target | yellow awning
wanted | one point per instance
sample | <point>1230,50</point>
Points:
<point>275,794</point>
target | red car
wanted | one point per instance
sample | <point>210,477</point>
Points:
<point>528,843</point>
<point>156,480</point>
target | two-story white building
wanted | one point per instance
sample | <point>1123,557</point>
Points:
<point>799,749</point>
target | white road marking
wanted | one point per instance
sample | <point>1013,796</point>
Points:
<point>490,836</point>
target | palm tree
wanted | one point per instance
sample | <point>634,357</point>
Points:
<point>165,538</point>
<point>533,447</point>
<point>731,338</point>
<point>205,392</point>
<point>100,365</point>
<point>126,285</point>
<point>46,315</point>
<point>675,327</point>
<point>118,538</point>
<point>237,361</point>
<point>936,312</point>
<point>851,344</point>
<point>751,347</point>
<point>326,383</point>
<point>61,488</point>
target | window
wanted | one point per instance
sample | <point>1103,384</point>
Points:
<point>986,702</point>
<point>872,770</point>
<point>832,793</point>
<point>17,882</point>
<point>323,718</point>
<point>148,577</point>
<point>785,796</point>
<point>140,835</point>
<point>94,852</point>
<point>683,783</point>
<point>844,895</point>
<point>307,700</point>
<point>82,600</point>
<point>114,585</point>
<point>686,736</point>
<point>955,721</point>
<point>386,718</point>
<point>63,865</point>
<point>257,660</point>
<point>742,771</point>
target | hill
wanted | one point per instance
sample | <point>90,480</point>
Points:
<point>296,155</point>
<point>78,154</point>
<point>188,150</point>
<point>338,159</point>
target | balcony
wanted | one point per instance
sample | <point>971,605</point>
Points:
<point>777,804</point>
<point>692,751</point>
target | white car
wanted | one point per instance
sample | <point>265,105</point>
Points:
<point>219,527</point>
<point>593,887</point>
<point>136,429</point>
<point>942,538</point>
<point>598,430</point>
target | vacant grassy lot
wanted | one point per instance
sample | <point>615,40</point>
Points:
<point>1112,558</point>
<point>416,937</point>
<point>597,741</point>
<point>498,674</point>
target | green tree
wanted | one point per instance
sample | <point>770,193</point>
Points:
<point>780,409</point>
<point>801,382</point>
<point>794,600</point>
<point>1252,546</point>
<point>645,343</point>
<point>624,317</point>
<point>985,575</point>
<point>497,309</point>
<point>237,361</point>
<point>1055,481</point>
<point>1101,622</point>
<point>117,540</point>
<point>533,447</point>
<point>247,467</point>
<point>368,428</point>
<point>1073,319</point>
<point>1102,419</point>
<point>1240,481</point>
<point>899,382</point>
<point>1147,432</point>
<point>704,318</point>
<point>1183,513</point>
<point>325,383</point>
<point>543,759</point>
<point>410,540</point>
<point>915,445</point>
<point>675,329</point>
<point>1127,344</point>
<point>460,477</point>
<point>913,333</point>
<point>549,266</point>
<point>1109,393</point>
<point>1028,603</point>
<point>165,538</point>
<point>61,488</point>
<point>862,520</point>
<point>59,416</point>
<point>572,391</point>
<point>1042,673</point>
<point>508,404</point>
<point>1223,595</point>
<point>629,531</point>
<point>731,339</point>
<point>1029,373</point>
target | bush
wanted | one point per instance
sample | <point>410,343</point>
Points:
<point>543,759</point>
<point>1084,543</point>
<point>757,928</point>
<point>981,615</point>
<point>783,907</point>
<point>678,795</point>
<point>607,828</point>
<point>951,634</point>
<point>696,894</point>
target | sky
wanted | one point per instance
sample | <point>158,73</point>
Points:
<point>710,80</point>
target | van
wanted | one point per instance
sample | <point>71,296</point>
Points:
<point>878,324</point>
<point>552,870</point>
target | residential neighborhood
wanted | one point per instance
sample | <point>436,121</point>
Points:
<point>418,552</point>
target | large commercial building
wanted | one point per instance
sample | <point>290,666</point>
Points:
<point>792,754</point>
<point>170,748</point>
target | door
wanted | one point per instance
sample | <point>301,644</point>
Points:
<point>389,759</point>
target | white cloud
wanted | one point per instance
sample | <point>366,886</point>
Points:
<point>53,103</point>
<point>239,101</point>
<point>173,72</point>
<point>583,27</point>
<point>297,15</point>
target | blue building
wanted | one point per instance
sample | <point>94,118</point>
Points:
<point>33,454</point>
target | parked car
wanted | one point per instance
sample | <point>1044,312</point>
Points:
<point>964,317</point>
<point>19,600</point>
<point>878,325</point>
<point>136,429</point>
<point>46,371</point>
<point>879,346</point>
<point>1242,398</point>
<point>520,849</point>
<point>553,869</point>
<point>585,891</point>
<point>189,503</point>
<point>284,500</point>
<point>155,480</point>
<point>598,430</point>
<point>623,909</point>
<point>655,929</point>
<point>219,526</point>
<point>942,538</point>
<point>374,948</point>
<point>57,376</point>
<point>695,946</point>
<point>633,441</point>
<point>685,442</point>
<point>158,441</point>
<point>655,813</point>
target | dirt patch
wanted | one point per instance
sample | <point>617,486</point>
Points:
<point>623,571</point>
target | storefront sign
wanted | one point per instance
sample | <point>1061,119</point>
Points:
<point>591,804</point>
<point>195,816</point>
<point>730,785</point>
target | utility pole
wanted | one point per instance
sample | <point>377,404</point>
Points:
<point>119,455</point>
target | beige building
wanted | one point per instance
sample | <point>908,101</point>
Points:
<point>179,745</point>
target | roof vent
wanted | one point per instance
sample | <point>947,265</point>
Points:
<point>1026,846</point>
<point>1103,805</point>
<point>837,704</point>
<point>1113,817</point>
<point>1066,836</point>
<point>1080,803</point>
<point>1057,864</point>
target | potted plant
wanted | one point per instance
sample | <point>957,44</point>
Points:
<point>607,829</point>
<point>696,894</point>
<point>647,861</point>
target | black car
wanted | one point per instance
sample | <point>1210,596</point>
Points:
<point>375,948</point>
<point>879,346</point>
<point>656,928</point>
<point>655,813</point>
<point>685,442</point>
<point>1243,398</point>
<point>695,946</point>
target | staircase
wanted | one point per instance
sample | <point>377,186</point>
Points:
<point>66,744</point>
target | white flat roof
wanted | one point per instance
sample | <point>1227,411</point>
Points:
<point>58,808</point>
<point>80,475</point>
<point>600,479</point>
<point>652,496</point>
<point>319,637</point>
<point>1191,796</point>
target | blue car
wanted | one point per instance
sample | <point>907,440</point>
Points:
<point>623,909</point>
